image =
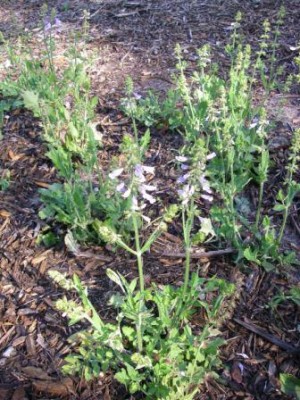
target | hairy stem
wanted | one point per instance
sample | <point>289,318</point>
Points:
<point>139,258</point>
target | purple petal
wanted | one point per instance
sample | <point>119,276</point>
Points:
<point>121,187</point>
<point>184,167</point>
<point>138,172</point>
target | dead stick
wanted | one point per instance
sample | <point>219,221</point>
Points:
<point>273,339</point>
<point>204,254</point>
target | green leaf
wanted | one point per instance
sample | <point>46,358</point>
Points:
<point>251,255</point>
<point>31,101</point>
<point>279,207</point>
<point>49,239</point>
<point>268,266</point>
<point>290,385</point>
<point>141,361</point>
<point>129,332</point>
<point>122,377</point>
<point>206,227</point>
<point>295,295</point>
<point>71,243</point>
<point>115,277</point>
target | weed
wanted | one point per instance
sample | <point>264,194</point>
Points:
<point>4,180</point>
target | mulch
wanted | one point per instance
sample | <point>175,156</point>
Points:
<point>135,38</point>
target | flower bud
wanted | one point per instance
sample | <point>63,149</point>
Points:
<point>106,233</point>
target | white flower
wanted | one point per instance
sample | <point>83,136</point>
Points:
<point>181,158</point>
<point>126,194</point>
<point>205,184</point>
<point>143,190</point>
<point>134,205</point>
<point>211,156</point>
<point>207,197</point>
<point>148,197</point>
<point>149,188</point>
<point>117,172</point>
<point>148,170</point>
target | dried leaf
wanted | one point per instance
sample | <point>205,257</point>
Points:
<point>36,373</point>
<point>56,388</point>
<point>5,214</point>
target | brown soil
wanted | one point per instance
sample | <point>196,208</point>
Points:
<point>135,38</point>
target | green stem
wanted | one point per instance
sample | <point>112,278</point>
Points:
<point>187,269</point>
<point>139,333</point>
<point>142,282</point>
<point>138,253</point>
<point>285,215</point>
<point>258,212</point>
<point>289,202</point>
<point>187,227</point>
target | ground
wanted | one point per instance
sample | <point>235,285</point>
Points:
<point>135,38</point>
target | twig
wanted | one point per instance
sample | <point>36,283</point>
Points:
<point>203,254</point>
<point>271,338</point>
<point>90,254</point>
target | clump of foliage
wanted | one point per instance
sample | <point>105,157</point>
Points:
<point>221,112</point>
<point>151,348</point>
<point>292,295</point>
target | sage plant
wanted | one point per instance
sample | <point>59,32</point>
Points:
<point>193,185</point>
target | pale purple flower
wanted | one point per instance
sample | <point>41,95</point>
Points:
<point>137,96</point>
<point>184,167</point>
<point>186,193</point>
<point>117,172</point>
<point>205,184</point>
<point>254,123</point>
<point>121,187</point>
<point>54,25</point>
<point>183,178</point>
<point>139,172</point>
